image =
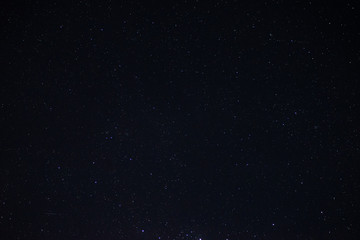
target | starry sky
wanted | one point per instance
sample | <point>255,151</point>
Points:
<point>204,120</point>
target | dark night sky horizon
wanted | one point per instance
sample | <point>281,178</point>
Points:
<point>188,120</point>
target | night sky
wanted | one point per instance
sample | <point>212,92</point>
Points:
<point>211,120</point>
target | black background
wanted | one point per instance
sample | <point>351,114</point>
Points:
<point>187,120</point>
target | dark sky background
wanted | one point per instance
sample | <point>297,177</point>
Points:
<point>189,120</point>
